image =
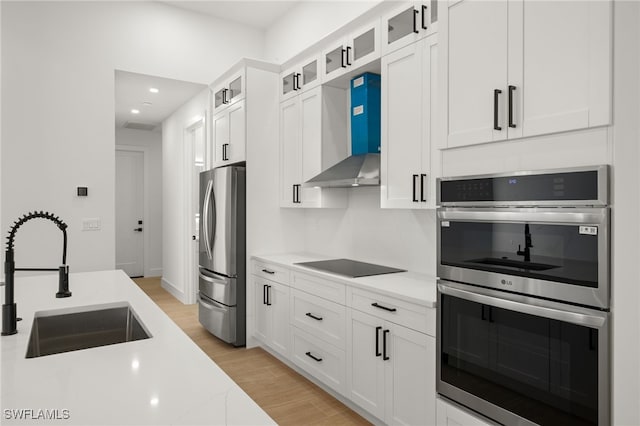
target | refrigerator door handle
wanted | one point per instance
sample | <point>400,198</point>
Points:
<point>205,218</point>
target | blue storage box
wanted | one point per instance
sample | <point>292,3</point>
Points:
<point>365,114</point>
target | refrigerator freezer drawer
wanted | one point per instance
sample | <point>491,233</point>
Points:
<point>218,288</point>
<point>219,319</point>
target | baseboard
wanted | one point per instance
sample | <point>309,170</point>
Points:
<point>175,292</point>
<point>154,272</point>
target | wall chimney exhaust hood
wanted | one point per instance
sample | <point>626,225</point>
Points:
<point>362,168</point>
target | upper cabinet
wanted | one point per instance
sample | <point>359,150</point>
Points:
<point>408,23</point>
<point>540,67</point>
<point>409,88</point>
<point>359,48</point>
<point>228,129</point>
<point>301,77</point>
<point>228,91</point>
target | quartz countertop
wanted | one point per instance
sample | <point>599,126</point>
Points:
<point>410,286</point>
<point>163,380</point>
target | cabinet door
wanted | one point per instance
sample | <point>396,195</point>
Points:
<point>310,73</point>
<point>288,81</point>
<point>290,153</point>
<point>310,144</point>
<point>220,131</point>
<point>334,60</point>
<point>431,126</point>
<point>366,373</point>
<point>236,150</point>
<point>407,24</point>
<point>262,317</point>
<point>565,65</point>
<point>401,145</point>
<point>477,68</point>
<point>278,301</point>
<point>236,87</point>
<point>410,377</point>
<point>364,45</point>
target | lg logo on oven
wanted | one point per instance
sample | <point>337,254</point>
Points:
<point>505,282</point>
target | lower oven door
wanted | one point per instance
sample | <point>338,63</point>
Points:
<point>522,360</point>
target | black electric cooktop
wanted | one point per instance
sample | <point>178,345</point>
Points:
<point>349,268</point>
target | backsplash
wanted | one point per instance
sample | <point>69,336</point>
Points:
<point>399,238</point>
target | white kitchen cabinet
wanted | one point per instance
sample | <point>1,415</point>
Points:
<point>313,135</point>
<point>409,84</point>
<point>392,370</point>
<point>540,67</point>
<point>449,414</point>
<point>228,131</point>
<point>408,23</point>
<point>359,48</point>
<point>272,314</point>
<point>228,91</point>
<point>299,78</point>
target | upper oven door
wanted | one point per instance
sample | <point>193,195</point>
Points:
<point>556,253</point>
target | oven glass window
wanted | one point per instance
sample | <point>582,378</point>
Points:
<point>560,253</point>
<point>541,369</point>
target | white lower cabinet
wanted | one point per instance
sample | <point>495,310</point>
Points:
<point>449,414</point>
<point>272,314</point>
<point>391,370</point>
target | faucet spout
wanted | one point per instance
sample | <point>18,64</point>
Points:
<point>9,309</point>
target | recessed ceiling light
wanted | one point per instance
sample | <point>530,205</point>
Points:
<point>135,111</point>
<point>147,104</point>
<point>153,90</point>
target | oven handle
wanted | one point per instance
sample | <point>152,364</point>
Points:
<point>565,315</point>
<point>596,215</point>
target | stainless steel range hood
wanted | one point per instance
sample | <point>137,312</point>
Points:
<point>357,170</point>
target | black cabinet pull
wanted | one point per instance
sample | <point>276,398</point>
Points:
<point>385,357</point>
<point>378,353</point>
<point>268,295</point>
<point>313,357</point>
<point>422,178</point>
<point>511,90</point>
<point>224,96</point>
<point>348,51</point>
<point>342,61</point>
<point>375,304</point>
<point>296,194</point>
<point>295,81</point>
<point>298,75</point>
<point>310,315</point>
<point>415,200</point>
<point>264,294</point>
<point>225,155</point>
<point>415,20</point>
<point>424,14</point>
<point>496,93</point>
<point>266,271</point>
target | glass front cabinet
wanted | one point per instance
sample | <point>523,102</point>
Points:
<point>408,23</point>
<point>299,78</point>
<point>360,47</point>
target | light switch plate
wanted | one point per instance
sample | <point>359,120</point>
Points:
<point>91,224</point>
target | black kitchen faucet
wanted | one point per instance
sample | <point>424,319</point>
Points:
<point>9,312</point>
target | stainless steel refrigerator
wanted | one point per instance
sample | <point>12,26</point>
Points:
<point>222,253</point>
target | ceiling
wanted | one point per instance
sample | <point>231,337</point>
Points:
<point>259,14</point>
<point>132,91</point>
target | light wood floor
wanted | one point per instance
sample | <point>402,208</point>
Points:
<point>288,397</point>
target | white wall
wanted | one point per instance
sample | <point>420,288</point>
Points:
<point>175,241</point>
<point>151,144</point>
<point>58,62</point>
<point>307,23</point>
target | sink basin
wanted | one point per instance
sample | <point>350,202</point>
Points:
<point>66,330</point>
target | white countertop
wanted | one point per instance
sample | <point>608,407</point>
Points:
<point>410,286</point>
<point>164,380</point>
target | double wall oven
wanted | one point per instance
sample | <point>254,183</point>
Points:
<point>523,295</point>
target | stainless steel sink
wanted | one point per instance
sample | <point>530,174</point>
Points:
<point>85,327</point>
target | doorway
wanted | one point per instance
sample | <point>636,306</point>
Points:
<point>195,158</point>
<point>130,212</point>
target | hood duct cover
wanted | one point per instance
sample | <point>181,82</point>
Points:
<point>357,170</point>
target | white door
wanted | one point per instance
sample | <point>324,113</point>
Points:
<point>310,144</point>
<point>290,157</point>
<point>263,319</point>
<point>278,302</point>
<point>410,377</point>
<point>365,368</point>
<point>402,118</point>
<point>235,152</point>
<point>196,154</point>
<point>130,212</point>
<point>477,71</point>
<point>220,132</point>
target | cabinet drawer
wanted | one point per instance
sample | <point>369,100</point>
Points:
<point>271,272</point>
<point>322,318</point>
<point>326,289</point>
<point>416,317</point>
<point>324,362</point>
